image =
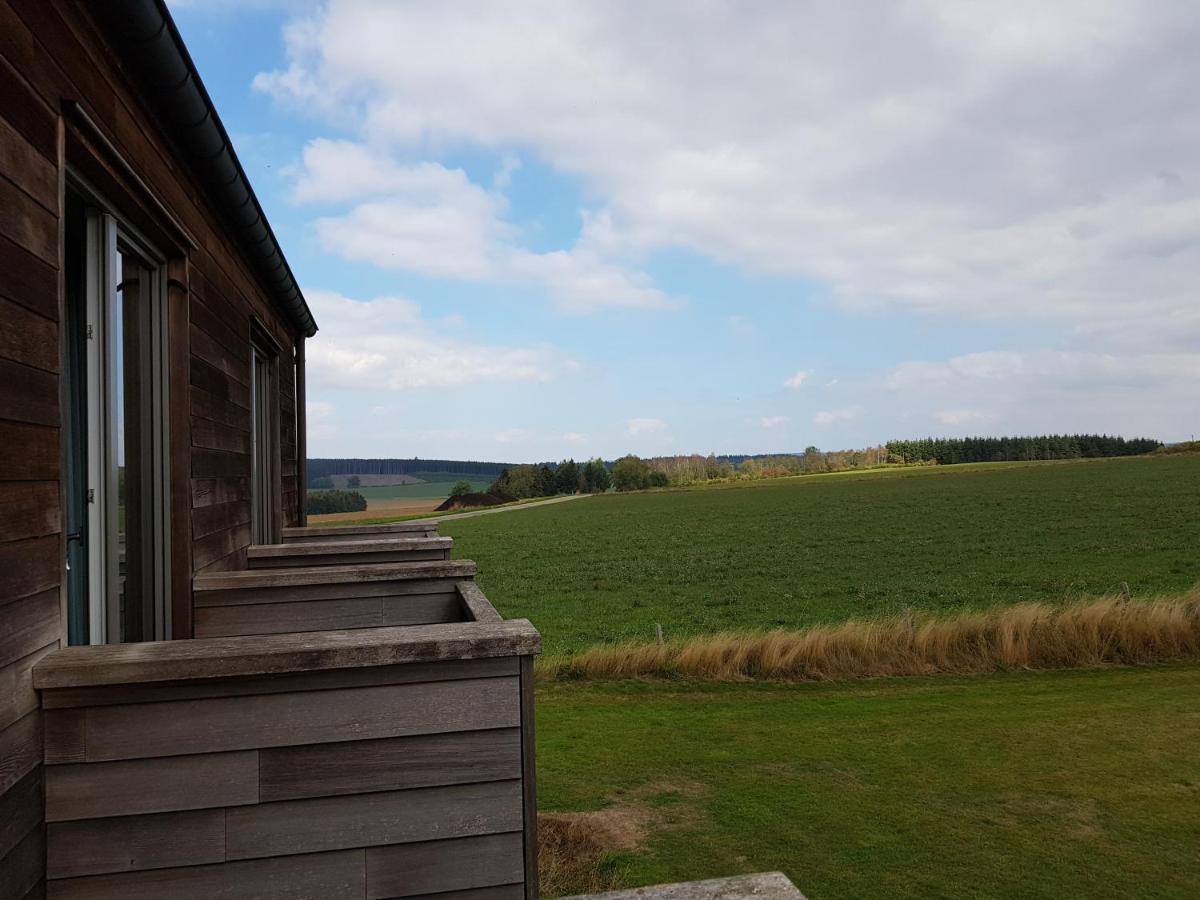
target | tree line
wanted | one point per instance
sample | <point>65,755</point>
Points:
<point>949,451</point>
<point>321,468</point>
<point>546,480</point>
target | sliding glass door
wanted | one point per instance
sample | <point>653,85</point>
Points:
<point>265,440</point>
<point>118,466</point>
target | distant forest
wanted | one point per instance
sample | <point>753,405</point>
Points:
<point>947,451</point>
<point>323,468</point>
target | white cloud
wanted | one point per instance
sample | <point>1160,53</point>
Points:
<point>1054,391</point>
<point>954,417</point>
<point>645,426</point>
<point>512,436</point>
<point>1022,160</point>
<point>385,344</point>
<point>430,219</point>
<point>830,416</point>
<point>796,381</point>
<point>574,437</point>
<point>772,421</point>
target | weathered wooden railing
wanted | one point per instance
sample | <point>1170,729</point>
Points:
<point>376,762</point>
<point>342,552</point>
<point>311,599</point>
<point>415,528</point>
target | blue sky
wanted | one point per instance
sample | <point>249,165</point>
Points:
<point>529,231</point>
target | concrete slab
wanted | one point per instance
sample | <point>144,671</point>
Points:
<point>764,886</point>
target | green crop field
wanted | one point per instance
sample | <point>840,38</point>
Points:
<point>1053,784</point>
<point>430,490</point>
<point>792,552</point>
<point>436,486</point>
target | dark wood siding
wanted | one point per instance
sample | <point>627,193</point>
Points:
<point>401,780</point>
<point>52,58</point>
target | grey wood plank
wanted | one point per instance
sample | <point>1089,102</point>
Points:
<point>364,820</point>
<point>272,654</point>
<point>285,618</point>
<point>315,549</point>
<point>20,749</point>
<point>20,810</point>
<point>277,720</point>
<point>389,764</point>
<point>420,609</point>
<point>29,624</point>
<point>315,875</point>
<point>408,870</point>
<point>321,615</point>
<point>342,591</point>
<point>378,557</point>
<point>494,892</point>
<point>24,866</point>
<point>461,568</point>
<point>63,735</point>
<point>17,696</point>
<point>291,682</point>
<point>529,779</point>
<point>355,532</point>
<point>134,843</point>
<point>477,606</point>
<point>138,787</point>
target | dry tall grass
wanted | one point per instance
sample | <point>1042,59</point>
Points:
<point>1110,630</point>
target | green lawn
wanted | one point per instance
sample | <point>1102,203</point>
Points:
<point>796,551</point>
<point>1056,784</point>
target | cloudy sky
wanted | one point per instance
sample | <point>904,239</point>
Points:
<point>533,230</point>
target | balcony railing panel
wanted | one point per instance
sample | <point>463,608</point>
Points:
<point>374,762</point>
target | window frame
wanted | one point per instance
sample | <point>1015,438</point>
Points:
<point>107,236</point>
<point>266,513</point>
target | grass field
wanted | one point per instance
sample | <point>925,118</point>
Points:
<point>429,490</point>
<point>798,551</point>
<point>1058,784</point>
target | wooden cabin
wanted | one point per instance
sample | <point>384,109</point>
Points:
<point>198,696</point>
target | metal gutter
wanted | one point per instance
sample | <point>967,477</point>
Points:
<point>152,49</point>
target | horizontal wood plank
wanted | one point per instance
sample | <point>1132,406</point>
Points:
<point>28,338</point>
<point>25,279</point>
<point>275,654</point>
<point>20,810</point>
<point>17,695</point>
<point>215,491</point>
<point>455,569</point>
<point>411,673</point>
<point>408,870</point>
<point>138,787</point>
<point>29,623</point>
<point>132,843</point>
<point>28,453</point>
<point>29,509</point>
<point>63,735</point>
<point>357,767</point>
<point>320,615</point>
<point>354,532</point>
<point>340,874</point>
<point>340,591</point>
<point>20,749</point>
<point>277,720</point>
<point>28,224</point>
<point>23,868</point>
<point>30,395</point>
<point>363,820</point>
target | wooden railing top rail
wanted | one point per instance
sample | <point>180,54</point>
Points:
<point>336,530</point>
<point>204,658</point>
<point>220,581</point>
<point>350,546</point>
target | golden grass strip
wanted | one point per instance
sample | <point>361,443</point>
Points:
<point>1106,631</point>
